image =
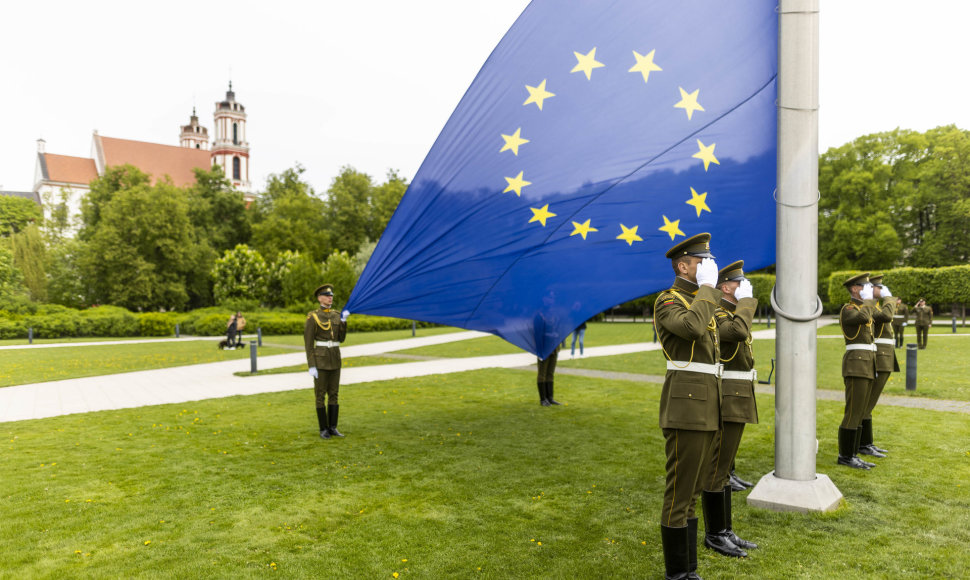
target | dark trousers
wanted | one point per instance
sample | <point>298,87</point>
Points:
<point>327,384</point>
<point>882,377</point>
<point>898,332</point>
<point>922,333</point>
<point>724,448</point>
<point>687,455</point>
<point>857,391</point>
<point>547,367</point>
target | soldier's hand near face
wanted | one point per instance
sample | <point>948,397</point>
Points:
<point>886,293</point>
<point>744,290</point>
<point>866,293</point>
<point>707,272</point>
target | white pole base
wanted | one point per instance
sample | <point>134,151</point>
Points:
<point>788,495</point>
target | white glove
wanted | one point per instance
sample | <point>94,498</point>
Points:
<point>313,372</point>
<point>866,293</point>
<point>707,272</point>
<point>885,292</point>
<point>344,315</point>
<point>744,290</point>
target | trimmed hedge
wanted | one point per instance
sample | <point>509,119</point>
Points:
<point>949,285</point>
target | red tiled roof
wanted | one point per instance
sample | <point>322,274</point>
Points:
<point>66,169</point>
<point>156,160</point>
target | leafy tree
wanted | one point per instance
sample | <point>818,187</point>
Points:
<point>349,210</point>
<point>64,282</point>
<point>29,256</point>
<point>217,211</point>
<point>289,216</point>
<point>240,274</point>
<point>141,250</point>
<point>16,213</point>
<point>11,279</point>
<point>103,190</point>
<point>57,223</point>
<point>339,270</point>
<point>385,199</point>
<point>292,280</point>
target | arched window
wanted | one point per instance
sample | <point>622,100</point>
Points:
<point>235,133</point>
<point>235,168</point>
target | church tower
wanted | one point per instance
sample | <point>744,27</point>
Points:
<point>194,136</point>
<point>230,150</point>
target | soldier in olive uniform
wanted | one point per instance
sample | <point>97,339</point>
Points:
<point>923,320</point>
<point>324,331</point>
<point>900,321</point>
<point>690,399</point>
<point>738,406</point>
<point>858,367</point>
<point>883,316</point>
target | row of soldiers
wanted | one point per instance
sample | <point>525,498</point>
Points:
<point>922,319</point>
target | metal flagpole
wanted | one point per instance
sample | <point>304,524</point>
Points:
<point>794,485</point>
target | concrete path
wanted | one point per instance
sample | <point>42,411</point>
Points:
<point>216,380</point>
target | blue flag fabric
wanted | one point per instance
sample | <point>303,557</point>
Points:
<point>596,136</point>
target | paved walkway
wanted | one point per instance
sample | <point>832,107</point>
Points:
<point>216,380</point>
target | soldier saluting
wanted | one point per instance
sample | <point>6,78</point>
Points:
<point>858,367</point>
<point>325,329</point>
<point>689,402</point>
<point>883,316</point>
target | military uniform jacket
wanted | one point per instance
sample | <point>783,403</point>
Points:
<point>901,316</point>
<point>923,315</point>
<point>882,318</point>
<point>856,322</point>
<point>323,325</point>
<point>684,316</point>
<point>738,403</point>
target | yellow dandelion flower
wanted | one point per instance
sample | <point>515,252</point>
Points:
<point>394,574</point>
<point>538,543</point>
<point>77,551</point>
<point>404,559</point>
<point>148,542</point>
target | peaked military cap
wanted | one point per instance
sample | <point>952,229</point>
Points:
<point>325,289</point>
<point>876,280</point>
<point>733,271</point>
<point>860,279</point>
<point>699,245</point>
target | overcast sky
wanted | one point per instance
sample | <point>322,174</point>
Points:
<point>370,83</point>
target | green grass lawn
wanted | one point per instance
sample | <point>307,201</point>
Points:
<point>24,366</point>
<point>451,476</point>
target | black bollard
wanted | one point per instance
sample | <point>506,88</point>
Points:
<point>910,367</point>
<point>414,326</point>
<point>30,335</point>
<point>259,335</point>
<point>176,330</point>
<point>654,323</point>
<point>252,358</point>
<point>954,324</point>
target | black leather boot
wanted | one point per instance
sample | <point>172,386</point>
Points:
<point>743,544</point>
<point>692,549</point>
<point>716,536</point>
<point>333,411</point>
<point>858,439</point>
<point>847,449</point>
<point>543,397</point>
<point>322,421</point>
<point>675,544</point>
<point>733,476</point>
<point>867,441</point>
<point>549,394</point>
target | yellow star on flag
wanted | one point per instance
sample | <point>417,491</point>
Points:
<point>688,102</point>
<point>586,63</point>
<point>538,94</point>
<point>516,184</point>
<point>644,64</point>
<point>672,228</point>
<point>706,154</point>
<point>698,201</point>
<point>629,235</point>
<point>513,141</point>
<point>582,229</point>
<point>541,214</point>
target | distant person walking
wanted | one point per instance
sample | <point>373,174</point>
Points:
<point>923,319</point>
<point>579,333</point>
<point>900,321</point>
<point>234,329</point>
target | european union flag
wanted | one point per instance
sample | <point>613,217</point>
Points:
<point>596,136</point>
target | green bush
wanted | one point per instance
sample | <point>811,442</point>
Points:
<point>53,325</point>
<point>156,324</point>
<point>12,328</point>
<point>107,321</point>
